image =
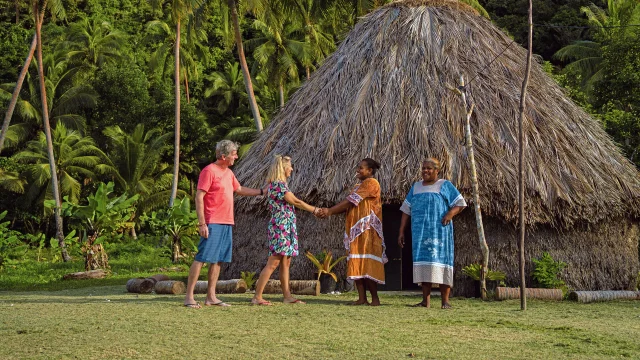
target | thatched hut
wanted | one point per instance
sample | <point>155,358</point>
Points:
<point>386,93</point>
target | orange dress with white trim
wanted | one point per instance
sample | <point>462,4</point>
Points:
<point>363,236</point>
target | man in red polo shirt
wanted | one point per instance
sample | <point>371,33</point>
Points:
<point>214,206</point>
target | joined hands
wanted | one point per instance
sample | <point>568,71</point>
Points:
<point>321,213</point>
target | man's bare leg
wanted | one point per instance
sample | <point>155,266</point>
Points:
<point>194,272</point>
<point>214,272</point>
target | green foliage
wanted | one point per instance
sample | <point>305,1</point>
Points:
<point>178,222</point>
<point>325,265</point>
<point>249,277</point>
<point>10,245</point>
<point>473,271</point>
<point>546,272</point>
<point>104,215</point>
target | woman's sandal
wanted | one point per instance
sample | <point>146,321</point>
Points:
<point>193,306</point>
<point>219,303</point>
<point>261,303</point>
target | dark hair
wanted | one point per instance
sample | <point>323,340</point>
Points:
<point>372,164</point>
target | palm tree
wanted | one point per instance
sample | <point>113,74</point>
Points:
<point>585,56</point>
<point>319,42</point>
<point>180,10</point>
<point>76,159</point>
<point>136,164</point>
<point>253,104</point>
<point>277,51</point>
<point>65,101</point>
<point>229,86</point>
<point>93,43</point>
<point>38,8</point>
<point>57,10</point>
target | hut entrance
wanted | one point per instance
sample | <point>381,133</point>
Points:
<point>398,271</point>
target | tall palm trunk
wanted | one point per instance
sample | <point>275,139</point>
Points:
<point>186,86</point>
<point>18,88</point>
<point>176,154</point>
<point>523,94</point>
<point>308,72</point>
<point>47,131</point>
<point>16,92</point>
<point>243,63</point>
<point>281,92</point>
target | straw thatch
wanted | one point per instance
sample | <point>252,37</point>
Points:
<point>387,93</point>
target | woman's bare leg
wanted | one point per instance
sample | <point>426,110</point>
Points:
<point>284,281</point>
<point>426,294</point>
<point>362,295</point>
<point>373,289</point>
<point>265,274</point>
<point>445,290</point>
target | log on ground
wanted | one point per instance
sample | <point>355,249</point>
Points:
<point>604,295</point>
<point>507,293</point>
<point>170,287</point>
<point>158,277</point>
<point>233,286</point>
<point>140,285</point>
<point>298,287</point>
<point>92,274</point>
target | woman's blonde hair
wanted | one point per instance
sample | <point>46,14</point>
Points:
<point>276,171</point>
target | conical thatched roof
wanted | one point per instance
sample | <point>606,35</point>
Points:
<point>386,93</point>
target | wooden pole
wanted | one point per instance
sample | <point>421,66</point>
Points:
<point>476,191</point>
<point>523,94</point>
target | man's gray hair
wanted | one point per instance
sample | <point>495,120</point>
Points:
<point>225,147</point>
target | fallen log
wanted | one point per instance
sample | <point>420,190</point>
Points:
<point>298,287</point>
<point>140,285</point>
<point>83,275</point>
<point>158,277</point>
<point>234,286</point>
<point>170,287</point>
<point>507,293</point>
<point>604,295</point>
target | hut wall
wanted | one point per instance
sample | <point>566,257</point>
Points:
<point>599,257</point>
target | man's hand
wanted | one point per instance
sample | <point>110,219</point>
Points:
<point>203,229</point>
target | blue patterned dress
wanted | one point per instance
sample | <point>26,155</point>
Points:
<point>432,242</point>
<point>283,235</point>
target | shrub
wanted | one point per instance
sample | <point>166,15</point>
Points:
<point>546,272</point>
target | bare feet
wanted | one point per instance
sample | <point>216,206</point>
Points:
<point>446,306</point>
<point>359,302</point>
<point>421,304</point>
<point>375,302</point>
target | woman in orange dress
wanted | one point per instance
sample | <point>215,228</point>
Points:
<point>363,237</point>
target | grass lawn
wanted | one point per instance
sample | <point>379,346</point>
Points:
<point>106,322</point>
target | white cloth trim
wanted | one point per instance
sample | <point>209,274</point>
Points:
<point>428,263</point>
<point>406,208</point>
<point>364,224</point>
<point>365,256</point>
<point>459,201</point>
<point>418,188</point>
<point>365,277</point>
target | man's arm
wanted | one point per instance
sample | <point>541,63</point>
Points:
<point>244,191</point>
<point>202,225</point>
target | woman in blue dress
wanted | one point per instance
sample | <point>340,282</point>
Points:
<point>431,204</point>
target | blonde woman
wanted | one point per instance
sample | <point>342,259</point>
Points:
<point>283,236</point>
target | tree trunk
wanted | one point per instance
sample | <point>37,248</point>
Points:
<point>170,287</point>
<point>297,287</point>
<point>476,193</point>
<point>507,293</point>
<point>47,130</point>
<point>176,145</point>
<point>234,286</point>
<point>18,88</point>
<point>16,92</point>
<point>93,274</point>
<point>140,285</point>
<point>281,92</point>
<point>176,249</point>
<point>95,257</point>
<point>186,87</point>
<point>603,295</point>
<point>523,94</point>
<point>243,64</point>
<point>308,72</point>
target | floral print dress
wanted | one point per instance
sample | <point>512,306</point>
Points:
<point>283,235</point>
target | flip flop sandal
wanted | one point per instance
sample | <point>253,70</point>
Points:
<point>220,303</point>
<point>262,303</point>
<point>193,306</point>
